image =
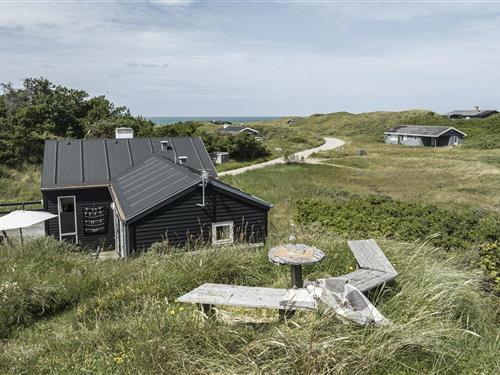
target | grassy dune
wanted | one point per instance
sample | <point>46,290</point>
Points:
<point>370,127</point>
<point>20,185</point>
<point>451,176</point>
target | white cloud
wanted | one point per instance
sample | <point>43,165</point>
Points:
<point>235,58</point>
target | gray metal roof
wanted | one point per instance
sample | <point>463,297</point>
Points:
<point>149,183</point>
<point>472,113</point>
<point>88,162</point>
<point>421,130</point>
<point>157,180</point>
<point>236,129</point>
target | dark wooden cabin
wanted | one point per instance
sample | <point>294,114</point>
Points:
<point>129,193</point>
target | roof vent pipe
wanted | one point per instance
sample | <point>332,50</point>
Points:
<point>203,184</point>
<point>124,133</point>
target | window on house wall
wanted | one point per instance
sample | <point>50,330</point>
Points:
<point>222,233</point>
<point>405,138</point>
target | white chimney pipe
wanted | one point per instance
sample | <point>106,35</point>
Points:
<point>124,133</point>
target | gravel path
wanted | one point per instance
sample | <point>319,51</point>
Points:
<point>330,144</point>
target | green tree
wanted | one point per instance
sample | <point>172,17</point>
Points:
<point>241,147</point>
<point>41,110</point>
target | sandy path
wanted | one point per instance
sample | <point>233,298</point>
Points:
<point>330,144</point>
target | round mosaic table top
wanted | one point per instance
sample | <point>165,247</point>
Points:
<point>295,254</point>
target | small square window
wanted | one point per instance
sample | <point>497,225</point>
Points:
<point>222,233</point>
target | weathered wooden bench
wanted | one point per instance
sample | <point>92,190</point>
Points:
<point>246,296</point>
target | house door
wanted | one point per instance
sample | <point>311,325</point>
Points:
<point>455,140</point>
<point>67,219</point>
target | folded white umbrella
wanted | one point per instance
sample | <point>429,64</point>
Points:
<point>23,219</point>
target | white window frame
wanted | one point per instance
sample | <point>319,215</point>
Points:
<point>405,138</point>
<point>61,235</point>
<point>231,233</point>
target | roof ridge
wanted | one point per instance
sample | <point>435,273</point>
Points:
<point>116,139</point>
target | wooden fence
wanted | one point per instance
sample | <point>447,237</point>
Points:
<point>20,206</point>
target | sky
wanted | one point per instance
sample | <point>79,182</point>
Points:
<point>259,58</point>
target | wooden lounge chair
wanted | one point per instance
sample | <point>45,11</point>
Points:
<point>374,267</point>
<point>374,270</point>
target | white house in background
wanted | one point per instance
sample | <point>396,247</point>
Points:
<point>235,130</point>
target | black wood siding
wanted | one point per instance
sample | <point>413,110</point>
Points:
<point>183,220</point>
<point>83,197</point>
<point>446,139</point>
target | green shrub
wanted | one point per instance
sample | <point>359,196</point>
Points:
<point>488,259</point>
<point>377,216</point>
<point>241,147</point>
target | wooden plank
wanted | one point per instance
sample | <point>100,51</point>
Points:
<point>244,296</point>
<point>373,283</point>
<point>364,279</point>
<point>369,256</point>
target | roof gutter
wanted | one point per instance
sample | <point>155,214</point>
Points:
<point>74,187</point>
<point>413,135</point>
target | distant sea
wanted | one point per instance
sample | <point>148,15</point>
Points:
<point>167,120</point>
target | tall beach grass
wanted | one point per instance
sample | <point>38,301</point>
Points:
<point>76,315</point>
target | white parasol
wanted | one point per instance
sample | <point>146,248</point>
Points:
<point>23,219</point>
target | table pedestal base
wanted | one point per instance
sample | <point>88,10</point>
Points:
<point>296,272</point>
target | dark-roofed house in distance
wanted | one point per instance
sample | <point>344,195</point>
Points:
<point>424,135</point>
<point>128,193</point>
<point>471,114</point>
<point>235,130</point>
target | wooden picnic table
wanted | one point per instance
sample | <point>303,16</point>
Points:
<point>295,255</point>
